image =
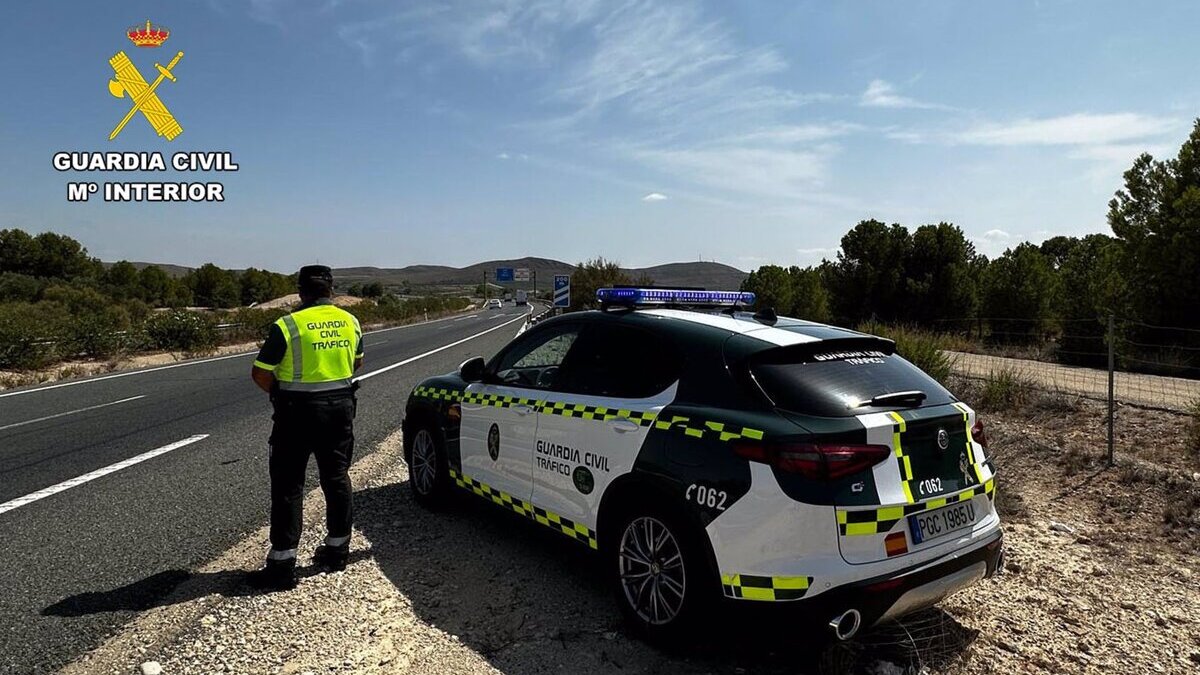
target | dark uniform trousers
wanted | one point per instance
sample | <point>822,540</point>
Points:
<point>318,424</point>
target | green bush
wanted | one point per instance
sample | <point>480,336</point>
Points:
<point>180,329</point>
<point>252,324</point>
<point>98,334</point>
<point>30,334</point>
<point>923,349</point>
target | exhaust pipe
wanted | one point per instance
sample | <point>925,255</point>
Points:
<point>846,624</point>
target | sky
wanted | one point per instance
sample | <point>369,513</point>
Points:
<point>376,132</point>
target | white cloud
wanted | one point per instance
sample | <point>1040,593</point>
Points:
<point>1075,129</point>
<point>658,84</point>
<point>996,235</point>
<point>503,155</point>
<point>655,197</point>
<point>882,94</point>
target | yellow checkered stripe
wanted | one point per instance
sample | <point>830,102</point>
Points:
<point>592,412</point>
<point>438,394</point>
<point>881,520</point>
<point>771,589</point>
<point>497,400</point>
<point>962,408</point>
<point>904,462</point>
<point>707,429</point>
<point>566,526</point>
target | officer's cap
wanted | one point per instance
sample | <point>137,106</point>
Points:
<point>318,276</point>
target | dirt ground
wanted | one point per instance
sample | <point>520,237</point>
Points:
<point>1103,578</point>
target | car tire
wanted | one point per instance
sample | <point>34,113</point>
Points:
<point>637,572</point>
<point>428,471</point>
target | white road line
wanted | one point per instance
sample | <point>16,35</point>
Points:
<point>182,364</point>
<point>409,360</point>
<point>98,473</point>
<point>64,414</point>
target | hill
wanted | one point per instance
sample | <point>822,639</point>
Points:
<point>704,274</point>
<point>697,274</point>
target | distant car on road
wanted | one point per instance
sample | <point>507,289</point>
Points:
<point>520,298</point>
<point>494,303</point>
<point>714,455</point>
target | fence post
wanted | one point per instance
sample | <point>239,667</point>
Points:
<point>1111,403</point>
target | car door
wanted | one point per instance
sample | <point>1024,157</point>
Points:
<point>499,415</point>
<point>594,422</point>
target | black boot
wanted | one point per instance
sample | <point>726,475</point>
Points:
<point>332,558</point>
<point>277,575</point>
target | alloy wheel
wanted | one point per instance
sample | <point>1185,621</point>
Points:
<point>652,573</point>
<point>424,462</point>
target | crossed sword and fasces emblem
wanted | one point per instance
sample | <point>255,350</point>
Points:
<point>130,83</point>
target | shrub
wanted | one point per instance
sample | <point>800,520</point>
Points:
<point>923,349</point>
<point>253,324</point>
<point>98,334</point>
<point>1004,390</point>
<point>180,329</point>
<point>31,334</point>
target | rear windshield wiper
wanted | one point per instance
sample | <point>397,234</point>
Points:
<point>913,397</point>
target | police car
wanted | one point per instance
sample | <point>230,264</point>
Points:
<point>712,454</point>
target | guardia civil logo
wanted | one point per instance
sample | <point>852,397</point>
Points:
<point>143,96</point>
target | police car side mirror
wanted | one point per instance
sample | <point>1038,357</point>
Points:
<point>472,370</point>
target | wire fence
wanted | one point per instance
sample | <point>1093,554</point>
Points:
<point>1118,361</point>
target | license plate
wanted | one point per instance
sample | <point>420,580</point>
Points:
<point>941,522</point>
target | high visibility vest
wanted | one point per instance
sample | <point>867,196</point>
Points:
<point>322,341</point>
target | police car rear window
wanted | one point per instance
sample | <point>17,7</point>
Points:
<point>832,383</point>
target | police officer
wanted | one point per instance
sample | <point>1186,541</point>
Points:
<point>306,365</point>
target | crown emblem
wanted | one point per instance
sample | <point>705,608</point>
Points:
<point>148,35</point>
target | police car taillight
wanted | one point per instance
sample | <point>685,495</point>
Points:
<point>816,461</point>
<point>977,433</point>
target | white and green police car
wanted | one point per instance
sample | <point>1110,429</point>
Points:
<point>712,454</point>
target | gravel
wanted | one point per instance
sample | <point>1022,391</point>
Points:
<point>1092,586</point>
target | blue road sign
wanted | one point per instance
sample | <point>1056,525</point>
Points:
<point>504,274</point>
<point>562,290</point>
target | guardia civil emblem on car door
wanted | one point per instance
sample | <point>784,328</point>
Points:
<point>494,442</point>
<point>943,439</point>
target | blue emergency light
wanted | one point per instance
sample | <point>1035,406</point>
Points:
<point>670,296</point>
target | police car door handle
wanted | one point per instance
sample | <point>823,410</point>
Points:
<point>522,409</point>
<point>624,425</point>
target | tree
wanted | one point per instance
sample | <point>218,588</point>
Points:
<point>373,289</point>
<point>1019,290</point>
<point>1058,249</point>
<point>810,298</point>
<point>121,281</point>
<point>213,287</point>
<point>591,275</point>
<point>772,287</point>
<point>255,286</point>
<point>866,280</point>
<point>59,256</point>
<point>1093,286</point>
<point>1156,219</point>
<point>47,255</point>
<point>938,279</point>
<point>18,252</point>
<point>153,284</point>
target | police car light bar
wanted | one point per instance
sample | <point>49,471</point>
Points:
<point>669,296</point>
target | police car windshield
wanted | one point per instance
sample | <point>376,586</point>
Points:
<point>839,383</point>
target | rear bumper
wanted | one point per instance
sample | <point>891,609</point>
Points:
<point>893,595</point>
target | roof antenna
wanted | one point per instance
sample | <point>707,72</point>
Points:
<point>766,315</point>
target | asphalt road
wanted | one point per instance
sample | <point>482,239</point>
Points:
<point>176,510</point>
